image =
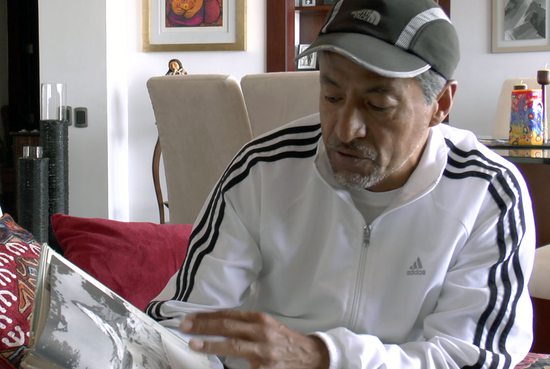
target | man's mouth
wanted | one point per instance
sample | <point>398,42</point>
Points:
<point>350,154</point>
<point>359,153</point>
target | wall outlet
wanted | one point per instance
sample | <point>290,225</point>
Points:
<point>80,117</point>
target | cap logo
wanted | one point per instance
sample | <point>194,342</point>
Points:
<point>367,15</point>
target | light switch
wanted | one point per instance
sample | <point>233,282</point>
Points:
<point>80,117</point>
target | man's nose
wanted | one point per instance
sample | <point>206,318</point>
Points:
<point>350,126</point>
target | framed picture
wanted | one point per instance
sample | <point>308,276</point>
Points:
<point>308,61</point>
<point>520,25</point>
<point>183,25</point>
<point>308,2</point>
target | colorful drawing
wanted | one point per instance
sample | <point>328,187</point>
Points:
<point>194,13</point>
<point>526,121</point>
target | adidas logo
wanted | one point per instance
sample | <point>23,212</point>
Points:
<point>416,268</point>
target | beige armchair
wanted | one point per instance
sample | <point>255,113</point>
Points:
<point>273,99</point>
<point>202,122</point>
<point>539,288</point>
<point>539,285</point>
<point>204,119</point>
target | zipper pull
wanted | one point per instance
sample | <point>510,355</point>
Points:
<point>366,235</point>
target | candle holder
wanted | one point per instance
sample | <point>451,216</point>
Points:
<point>526,118</point>
<point>32,194</point>
<point>54,137</point>
<point>543,79</point>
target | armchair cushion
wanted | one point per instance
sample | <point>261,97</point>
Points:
<point>134,259</point>
<point>538,284</point>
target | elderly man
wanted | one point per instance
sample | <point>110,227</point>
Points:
<point>371,235</point>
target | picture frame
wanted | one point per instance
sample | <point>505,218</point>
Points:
<point>520,26</point>
<point>215,25</point>
<point>308,62</point>
<point>308,2</point>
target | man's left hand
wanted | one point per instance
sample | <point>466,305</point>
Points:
<point>256,337</point>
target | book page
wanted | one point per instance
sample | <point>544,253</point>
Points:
<point>91,327</point>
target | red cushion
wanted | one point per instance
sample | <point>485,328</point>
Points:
<point>134,259</point>
<point>19,255</point>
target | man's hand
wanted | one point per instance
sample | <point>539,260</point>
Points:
<point>256,337</point>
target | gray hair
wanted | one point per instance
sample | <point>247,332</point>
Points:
<point>432,83</point>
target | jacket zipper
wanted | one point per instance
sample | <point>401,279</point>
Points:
<point>359,281</point>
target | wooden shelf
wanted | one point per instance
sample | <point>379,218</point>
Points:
<point>280,17</point>
<point>313,9</point>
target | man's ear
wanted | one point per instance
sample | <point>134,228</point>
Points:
<point>444,103</point>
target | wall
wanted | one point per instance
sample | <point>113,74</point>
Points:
<point>99,55</point>
<point>72,39</point>
<point>142,131</point>
<point>481,73</point>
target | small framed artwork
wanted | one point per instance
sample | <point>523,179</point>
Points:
<point>174,25</point>
<point>520,26</point>
<point>308,2</point>
<point>308,62</point>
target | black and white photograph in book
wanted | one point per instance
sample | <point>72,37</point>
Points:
<point>80,324</point>
<point>520,25</point>
<point>308,62</point>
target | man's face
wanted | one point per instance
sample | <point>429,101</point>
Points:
<point>374,128</point>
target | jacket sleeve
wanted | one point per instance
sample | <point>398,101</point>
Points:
<point>221,264</point>
<point>483,316</point>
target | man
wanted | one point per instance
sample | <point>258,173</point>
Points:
<point>378,238</point>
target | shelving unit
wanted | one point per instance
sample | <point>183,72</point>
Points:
<point>281,18</point>
<point>312,19</point>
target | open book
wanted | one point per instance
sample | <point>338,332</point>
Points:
<point>79,323</point>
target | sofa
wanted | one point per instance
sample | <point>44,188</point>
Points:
<point>134,259</point>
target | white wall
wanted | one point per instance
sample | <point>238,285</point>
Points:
<point>98,53</point>
<point>72,40</point>
<point>110,161</point>
<point>481,73</point>
<point>142,130</point>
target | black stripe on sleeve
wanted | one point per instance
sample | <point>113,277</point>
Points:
<point>292,142</point>
<point>505,191</point>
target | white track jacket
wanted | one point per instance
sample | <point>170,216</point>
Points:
<point>438,280</point>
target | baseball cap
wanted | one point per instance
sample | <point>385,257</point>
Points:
<point>393,38</point>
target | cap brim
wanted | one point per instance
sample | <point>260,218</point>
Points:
<point>372,53</point>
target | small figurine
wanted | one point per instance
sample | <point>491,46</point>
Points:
<point>175,68</point>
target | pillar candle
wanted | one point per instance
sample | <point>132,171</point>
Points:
<point>526,119</point>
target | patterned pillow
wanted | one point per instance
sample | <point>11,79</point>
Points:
<point>535,361</point>
<point>19,255</point>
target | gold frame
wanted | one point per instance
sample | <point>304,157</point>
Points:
<point>238,45</point>
<point>498,45</point>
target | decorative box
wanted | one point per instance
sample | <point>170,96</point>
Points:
<point>526,121</point>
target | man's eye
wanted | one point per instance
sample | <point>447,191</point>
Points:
<point>378,108</point>
<point>332,99</point>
